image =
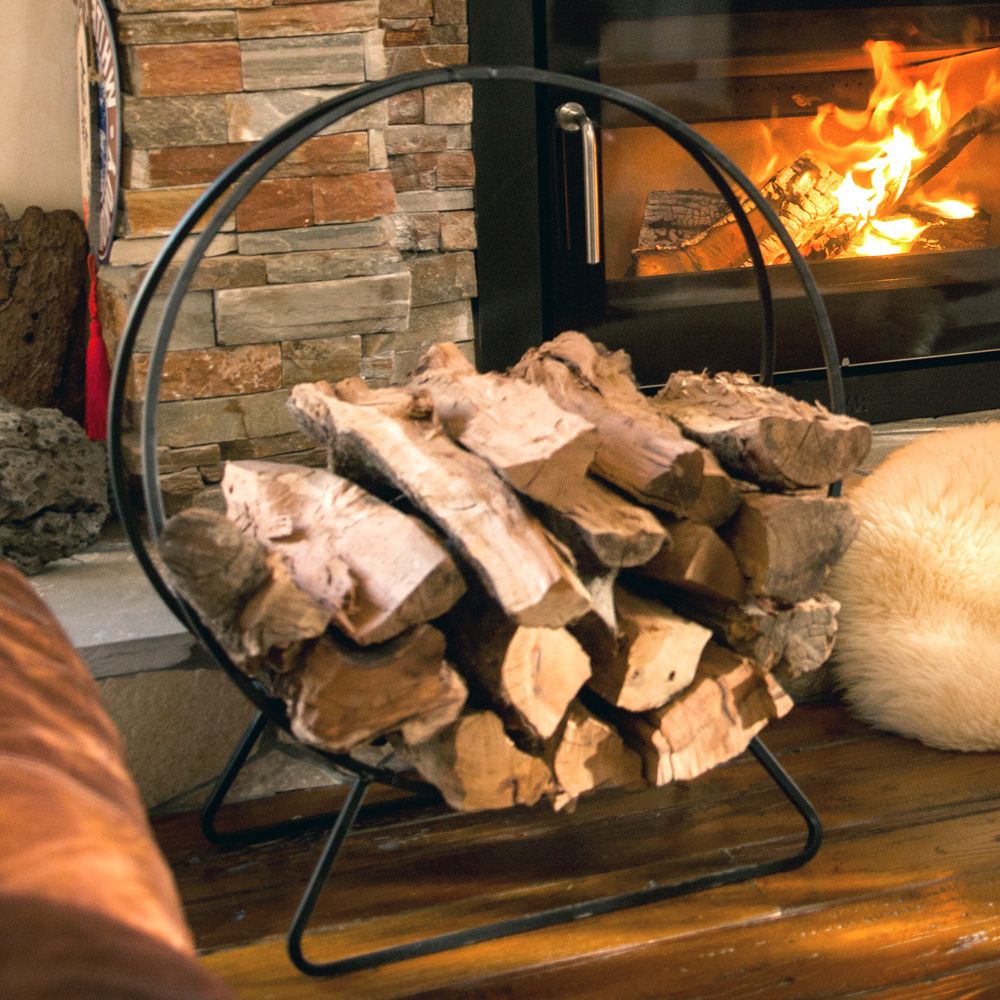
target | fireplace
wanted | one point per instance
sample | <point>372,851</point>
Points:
<point>798,94</point>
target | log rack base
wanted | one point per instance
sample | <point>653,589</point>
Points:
<point>344,819</point>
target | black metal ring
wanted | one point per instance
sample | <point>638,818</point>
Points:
<point>246,171</point>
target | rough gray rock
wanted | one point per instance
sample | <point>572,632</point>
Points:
<point>53,487</point>
<point>42,279</point>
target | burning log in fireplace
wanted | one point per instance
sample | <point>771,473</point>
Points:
<point>532,584</point>
<point>856,198</point>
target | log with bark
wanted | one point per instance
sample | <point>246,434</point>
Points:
<point>393,432</point>
<point>638,451</point>
<point>245,597</point>
<point>788,640</point>
<point>377,570</point>
<point>586,617</point>
<point>535,445</point>
<point>728,703</point>
<point>760,434</point>
<point>650,656</point>
<point>785,545</point>
<point>340,695</point>
<point>802,196</point>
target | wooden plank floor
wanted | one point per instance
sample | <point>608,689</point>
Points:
<point>902,902</point>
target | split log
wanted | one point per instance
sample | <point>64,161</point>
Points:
<point>529,675</point>
<point>391,431</point>
<point>788,641</point>
<point>653,654</point>
<point>639,451</point>
<point>710,722</point>
<point>278,618</point>
<point>785,545</point>
<point>340,696</point>
<point>377,570</point>
<point>673,219</point>
<point>761,434</point>
<point>719,497</point>
<point>596,523</point>
<point>532,443</point>
<point>475,765</point>
<point>587,754</point>
<point>245,599</point>
<point>802,196</point>
<point>698,560</point>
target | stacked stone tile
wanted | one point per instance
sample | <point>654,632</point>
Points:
<point>352,256</point>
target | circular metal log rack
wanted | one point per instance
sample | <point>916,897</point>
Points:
<point>227,191</point>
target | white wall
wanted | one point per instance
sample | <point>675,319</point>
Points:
<point>39,148</point>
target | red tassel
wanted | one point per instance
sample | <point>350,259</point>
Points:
<point>98,369</point>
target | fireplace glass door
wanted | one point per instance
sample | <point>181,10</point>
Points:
<point>872,129</point>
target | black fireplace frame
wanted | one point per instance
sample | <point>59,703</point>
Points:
<point>530,289</point>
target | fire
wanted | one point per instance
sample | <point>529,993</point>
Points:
<point>886,144</point>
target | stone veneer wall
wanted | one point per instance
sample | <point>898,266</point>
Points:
<point>349,258</point>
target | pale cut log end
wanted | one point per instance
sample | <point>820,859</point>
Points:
<point>591,755</point>
<point>341,696</point>
<point>564,601</point>
<point>280,613</point>
<point>542,672</point>
<point>475,765</point>
<point>654,655</point>
<point>698,560</point>
<point>801,455</point>
<point>718,499</point>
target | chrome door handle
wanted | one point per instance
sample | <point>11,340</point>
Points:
<point>571,117</point>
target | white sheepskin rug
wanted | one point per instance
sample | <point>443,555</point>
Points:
<point>918,648</point>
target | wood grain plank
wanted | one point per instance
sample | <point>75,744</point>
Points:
<point>232,897</point>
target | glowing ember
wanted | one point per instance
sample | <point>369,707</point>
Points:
<point>883,145</point>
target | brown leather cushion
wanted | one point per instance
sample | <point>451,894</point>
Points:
<point>80,874</point>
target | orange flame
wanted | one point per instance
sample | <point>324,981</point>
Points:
<point>887,141</point>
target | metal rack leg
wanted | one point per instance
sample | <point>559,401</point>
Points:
<point>543,918</point>
<point>209,812</point>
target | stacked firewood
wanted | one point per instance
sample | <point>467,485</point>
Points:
<point>531,584</point>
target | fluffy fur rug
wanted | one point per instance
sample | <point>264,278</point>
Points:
<point>918,649</point>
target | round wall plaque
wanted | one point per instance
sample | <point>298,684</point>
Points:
<point>100,124</point>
